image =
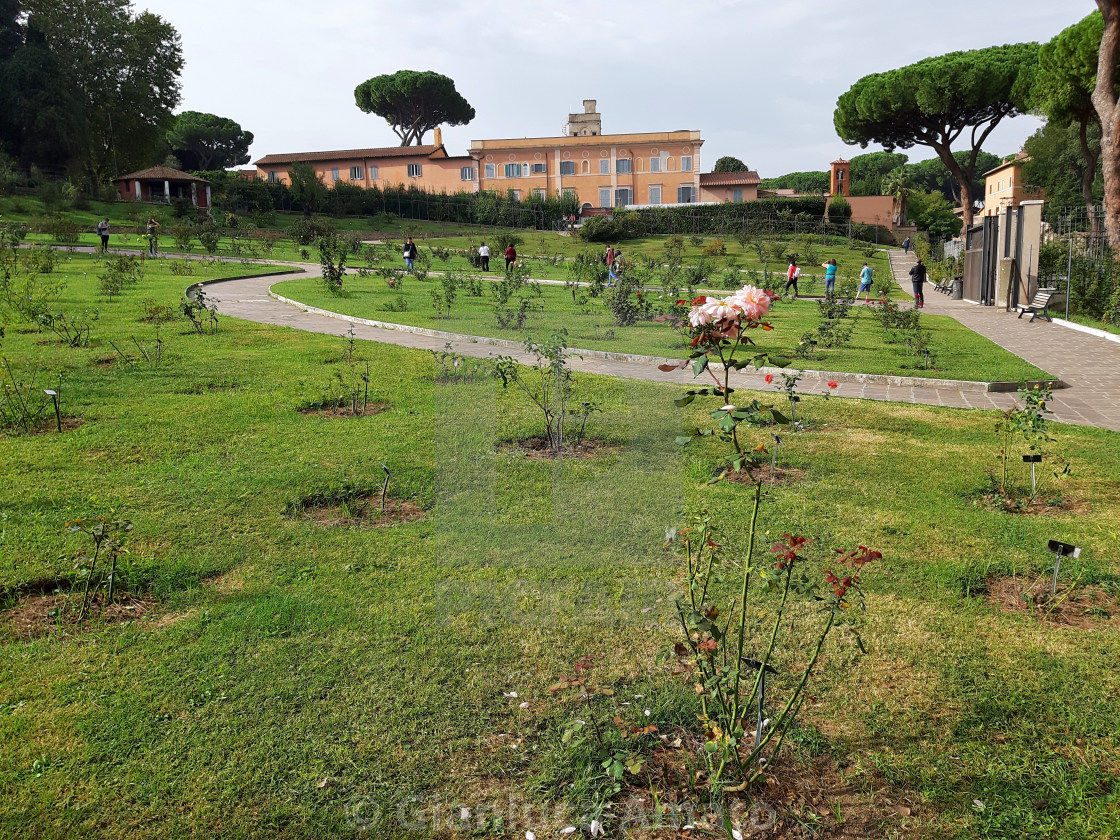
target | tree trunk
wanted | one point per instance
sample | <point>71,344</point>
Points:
<point>1104,100</point>
<point>1088,174</point>
<point>963,178</point>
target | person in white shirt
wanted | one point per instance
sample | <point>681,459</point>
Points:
<point>484,256</point>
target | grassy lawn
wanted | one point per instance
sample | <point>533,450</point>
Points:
<point>541,248</point>
<point>295,679</point>
<point>960,353</point>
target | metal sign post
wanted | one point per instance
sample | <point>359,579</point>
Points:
<point>1032,460</point>
<point>1060,550</point>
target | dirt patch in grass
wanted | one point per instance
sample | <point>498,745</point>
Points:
<point>781,475</point>
<point>344,409</point>
<point>1070,606</point>
<point>47,425</point>
<point>41,614</point>
<point>537,448</point>
<point>996,501</point>
<point>349,507</point>
<point>368,514</point>
<point>808,798</point>
<point>231,581</point>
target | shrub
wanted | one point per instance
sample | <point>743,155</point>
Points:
<point>504,239</point>
<point>209,237</point>
<point>839,210</point>
<point>306,231</point>
<point>716,248</point>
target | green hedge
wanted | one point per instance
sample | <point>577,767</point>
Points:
<point>731,218</point>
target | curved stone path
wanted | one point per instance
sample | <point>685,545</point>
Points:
<point>1093,401</point>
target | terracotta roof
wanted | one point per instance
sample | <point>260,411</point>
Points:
<point>353,154</point>
<point>726,179</point>
<point>1018,160</point>
<point>160,173</point>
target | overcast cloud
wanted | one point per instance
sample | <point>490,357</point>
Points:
<point>758,79</point>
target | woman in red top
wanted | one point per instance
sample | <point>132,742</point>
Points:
<point>511,257</point>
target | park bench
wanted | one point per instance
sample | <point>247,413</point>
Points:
<point>1037,306</point>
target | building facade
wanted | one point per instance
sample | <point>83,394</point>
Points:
<point>429,168</point>
<point>1005,186</point>
<point>603,170</point>
<point>724,187</point>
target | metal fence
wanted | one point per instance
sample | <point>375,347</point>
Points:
<point>1076,258</point>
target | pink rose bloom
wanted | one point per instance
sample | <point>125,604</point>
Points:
<point>753,302</point>
<point>719,309</point>
<point>698,316</point>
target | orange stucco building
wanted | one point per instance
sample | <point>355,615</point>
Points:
<point>428,167</point>
<point>602,170</point>
<point>723,187</point>
<point>1004,186</point>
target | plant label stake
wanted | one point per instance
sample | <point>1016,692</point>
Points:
<point>50,392</point>
<point>774,456</point>
<point>755,665</point>
<point>1060,550</point>
<point>1032,460</point>
<point>384,488</point>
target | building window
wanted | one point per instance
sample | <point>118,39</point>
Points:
<point>513,170</point>
<point>622,166</point>
<point>655,193</point>
<point>604,168</point>
<point>372,172</point>
<point>538,169</point>
<point>272,176</point>
<point>538,193</point>
<point>415,170</point>
<point>839,174</point>
<point>686,163</point>
<point>334,174</point>
<point>515,195</point>
<point>489,170</point>
<point>466,173</point>
<point>604,196</point>
<point>686,194</point>
<point>356,173</point>
<point>737,195</point>
<point>567,167</point>
<point>655,164</point>
<point>569,192</point>
<point>623,197</point>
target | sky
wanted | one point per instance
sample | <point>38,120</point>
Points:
<point>759,80</point>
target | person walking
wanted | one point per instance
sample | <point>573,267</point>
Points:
<point>865,282</point>
<point>409,255</point>
<point>906,245</point>
<point>511,256</point>
<point>918,281</point>
<point>153,237</point>
<point>103,232</point>
<point>829,277</point>
<point>484,256</point>
<point>792,273</point>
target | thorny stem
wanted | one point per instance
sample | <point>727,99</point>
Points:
<point>743,602</point>
<point>794,698</point>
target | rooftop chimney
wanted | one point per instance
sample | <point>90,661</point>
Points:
<point>438,140</point>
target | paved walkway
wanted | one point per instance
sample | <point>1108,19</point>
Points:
<point>1084,404</point>
<point>1088,365</point>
